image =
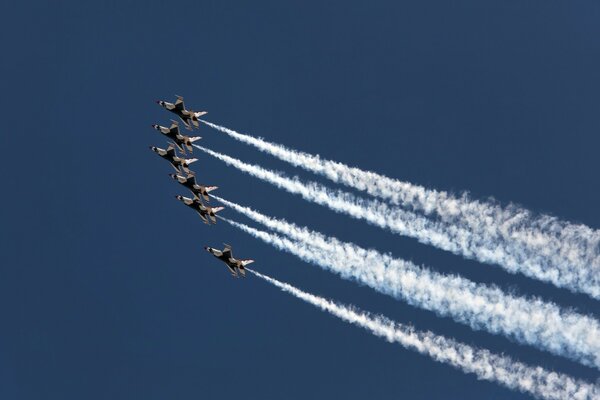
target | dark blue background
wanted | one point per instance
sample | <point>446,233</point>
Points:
<point>105,291</point>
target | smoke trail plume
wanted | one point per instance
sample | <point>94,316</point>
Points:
<point>568,255</point>
<point>485,365</point>
<point>528,321</point>
<point>449,238</point>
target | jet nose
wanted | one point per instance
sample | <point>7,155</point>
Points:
<point>173,176</point>
<point>152,148</point>
<point>157,101</point>
<point>154,126</point>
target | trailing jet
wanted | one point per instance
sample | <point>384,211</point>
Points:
<point>226,256</point>
<point>170,155</point>
<point>189,182</point>
<point>180,140</point>
<point>188,117</point>
<point>208,214</point>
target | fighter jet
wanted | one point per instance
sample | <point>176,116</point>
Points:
<point>170,155</point>
<point>188,117</point>
<point>226,256</point>
<point>189,181</point>
<point>180,140</point>
<point>208,214</point>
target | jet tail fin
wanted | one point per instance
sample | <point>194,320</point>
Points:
<point>204,190</point>
<point>189,141</point>
<point>212,213</point>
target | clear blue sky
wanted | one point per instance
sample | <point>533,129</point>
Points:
<point>105,290</point>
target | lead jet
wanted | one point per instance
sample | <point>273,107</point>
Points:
<point>176,161</point>
<point>189,181</point>
<point>206,213</point>
<point>181,141</point>
<point>188,117</point>
<point>233,264</point>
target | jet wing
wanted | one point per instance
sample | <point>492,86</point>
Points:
<point>174,129</point>
<point>170,150</point>
<point>175,165</point>
<point>179,104</point>
<point>191,179</point>
<point>227,251</point>
<point>233,271</point>
<point>203,218</point>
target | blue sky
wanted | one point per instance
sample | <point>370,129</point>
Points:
<point>105,289</point>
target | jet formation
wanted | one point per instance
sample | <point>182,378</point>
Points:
<point>187,178</point>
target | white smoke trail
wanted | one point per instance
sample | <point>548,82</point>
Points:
<point>449,238</point>
<point>568,253</point>
<point>528,321</point>
<point>485,365</point>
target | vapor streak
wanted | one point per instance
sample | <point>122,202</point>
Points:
<point>528,321</point>
<point>541,247</point>
<point>485,365</point>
